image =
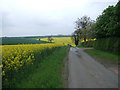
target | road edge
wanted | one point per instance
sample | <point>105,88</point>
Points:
<point>65,72</point>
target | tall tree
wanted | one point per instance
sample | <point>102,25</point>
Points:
<point>108,24</point>
<point>81,25</point>
<point>89,30</point>
<point>83,29</point>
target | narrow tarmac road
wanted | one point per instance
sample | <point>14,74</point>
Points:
<point>85,72</point>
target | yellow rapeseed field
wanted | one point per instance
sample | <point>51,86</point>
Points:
<point>15,57</point>
<point>60,40</point>
<point>63,40</point>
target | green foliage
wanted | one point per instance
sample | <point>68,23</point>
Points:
<point>87,44</point>
<point>90,30</point>
<point>117,12</point>
<point>108,24</point>
<point>81,44</point>
<point>111,44</point>
<point>84,29</point>
<point>90,44</point>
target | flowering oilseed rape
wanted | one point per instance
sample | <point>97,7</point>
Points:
<point>15,57</point>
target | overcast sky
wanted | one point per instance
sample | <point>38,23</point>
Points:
<point>47,17</point>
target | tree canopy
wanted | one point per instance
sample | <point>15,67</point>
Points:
<point>84,29</point>
<point>108,24</point>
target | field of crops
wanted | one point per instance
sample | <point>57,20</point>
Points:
<point>20,40</point>
<point>19,60</point>
<point>60,40</point>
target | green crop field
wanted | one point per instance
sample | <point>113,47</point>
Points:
<point>19,40</point>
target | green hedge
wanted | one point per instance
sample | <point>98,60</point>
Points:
<point>111,44</point>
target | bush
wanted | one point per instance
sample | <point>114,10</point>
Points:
<point>110,44</point>
<point>90,44</point>
<point>87,44</point>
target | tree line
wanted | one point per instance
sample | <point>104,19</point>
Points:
<point>106,25</point>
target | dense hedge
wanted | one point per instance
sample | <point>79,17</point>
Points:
<point>111,44</point>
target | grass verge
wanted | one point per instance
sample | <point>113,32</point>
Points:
<point>49,72</point>
<point>104,55</point>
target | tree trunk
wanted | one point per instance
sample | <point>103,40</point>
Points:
<point>85,39</point>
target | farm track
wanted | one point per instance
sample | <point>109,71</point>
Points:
<point>85,72</point>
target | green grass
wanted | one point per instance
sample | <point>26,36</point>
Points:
<point>104,55</point>
<point>49,72</point>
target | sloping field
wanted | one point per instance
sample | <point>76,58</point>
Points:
<point>60,40</point>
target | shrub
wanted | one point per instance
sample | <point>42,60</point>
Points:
<point>90,44</point>
<point>87,44</point>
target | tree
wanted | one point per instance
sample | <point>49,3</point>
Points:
<point>103,23</point>
<point>76,37</point>
<point>108,24</point>
<point>84,29</point>
<point>50,39</point>
<point>117,13</point>
<point>89,30</point>
<point>81,25</point>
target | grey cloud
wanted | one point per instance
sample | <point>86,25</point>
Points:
<point>20,22</point>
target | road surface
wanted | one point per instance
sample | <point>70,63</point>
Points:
<point>85,72</point>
